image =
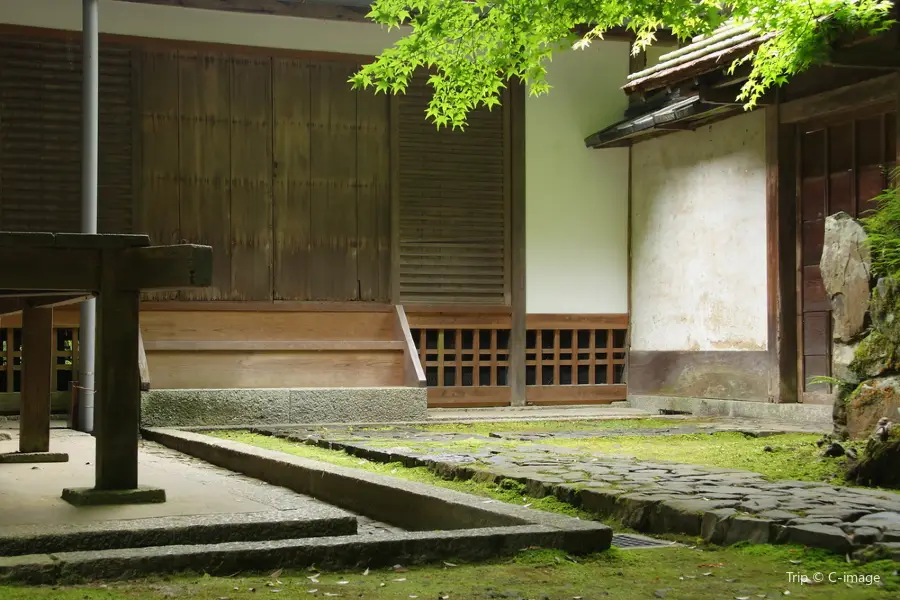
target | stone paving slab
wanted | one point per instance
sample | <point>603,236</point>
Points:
<point>721,505</point>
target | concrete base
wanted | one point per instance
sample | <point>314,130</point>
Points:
<point>95,497</point>
<point>33,457</point>
<point>807,414</point>
<point>186,408</point>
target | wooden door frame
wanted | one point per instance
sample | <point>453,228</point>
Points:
<point>783,121</point>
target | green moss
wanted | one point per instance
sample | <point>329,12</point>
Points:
<point>685,574</point>
<point>485,428</point>
<point>883,229</point>
<point>875,355</point>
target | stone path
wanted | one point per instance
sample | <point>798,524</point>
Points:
<point>721,505</point>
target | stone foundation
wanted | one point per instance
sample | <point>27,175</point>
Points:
<point>807,414</point>
<point>192,408</point>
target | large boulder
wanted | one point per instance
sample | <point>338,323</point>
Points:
<point>885,308</point>
<point>870,402</point>
<point>874,356</point>
<point>846,267</point>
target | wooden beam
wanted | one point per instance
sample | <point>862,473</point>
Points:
<point>729,96</point>
<point>50,268</point>
<point>306,9</point>
<point>866,56</point>
<point>37,353</point>
<point>143,367</point>
<point>872,92</point>
<point>517,349</point>
<point>413,374</point>
<point>13,304</point>
<point>118,382</point>
<point>394,124</point>
<point>167,267</point>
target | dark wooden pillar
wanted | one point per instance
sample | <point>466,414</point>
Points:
<point>118,381</point>
<point>37,352</point>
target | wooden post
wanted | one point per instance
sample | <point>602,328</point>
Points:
<point>118,381</point>
<point>517,350</point>
<point>37,350</point>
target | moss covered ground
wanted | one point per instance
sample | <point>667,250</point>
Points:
<point>678,573</point>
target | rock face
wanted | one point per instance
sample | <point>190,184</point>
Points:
<point>870,402</point>
<point>846,267</point>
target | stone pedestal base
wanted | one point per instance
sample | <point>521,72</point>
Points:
<point>34,457</point>
<point>95,497</point>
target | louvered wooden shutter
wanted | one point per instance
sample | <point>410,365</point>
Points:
<point>453,206</point>
<point>40,135</point>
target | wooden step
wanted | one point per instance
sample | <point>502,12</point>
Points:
<point>272,346</point>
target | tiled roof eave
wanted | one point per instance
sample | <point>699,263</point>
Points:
<point>700,65</point>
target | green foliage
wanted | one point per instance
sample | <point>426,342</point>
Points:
<point>474,47</point>
<point>845,387</point>
<point>883,228</point>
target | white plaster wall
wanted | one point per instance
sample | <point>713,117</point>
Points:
<point>699,239</point>
<point>576,197</point>
<point>177,23</point>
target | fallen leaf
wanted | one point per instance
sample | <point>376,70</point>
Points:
<point>707,574</point>
<point>381,584</point>
<point>742,598</point>
<point>400,579</point>
<point>332,595</point>
<point>572,559</point>
<point>342,582</point>
<point>449,564</point>
<point>366,572</point>
<point>400,569</point>
<point>276,574</point>
<point>487,501</point>
<point>413,596</point>
<point>787,593</point>
<point>717,565</point>
<point>796,562</point>
<point>316,576</point>
<point>527,505</point>
<point>313,591</point>
<point>276,591</point>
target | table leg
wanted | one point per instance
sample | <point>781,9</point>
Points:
<point>37,352</point>
<point>118,397</point>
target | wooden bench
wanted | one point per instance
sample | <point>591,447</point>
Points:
<point>43,270</point>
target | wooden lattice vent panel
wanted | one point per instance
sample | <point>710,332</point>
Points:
<point>570,359</point>
<point>575,359</point>
<point>64,361</point>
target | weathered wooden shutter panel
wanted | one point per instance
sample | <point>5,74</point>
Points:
<point>40,135</point>
<point>453,207</point>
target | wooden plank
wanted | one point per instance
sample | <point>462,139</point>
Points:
<point>373,195</point>
<point>308,10</point>
<point>470,397</point>
<point>333,252</point>
<point>519,324</point>
<point>872,92</point>
<point>394,109</point>
<point>413,374</point>
<point>577,321</point>
<point>118,383</point>
<point>205,163</point>
<point>158,197</point>
<point>284,369</point>
<point>273,345</point>
<point>264,306</point>
<point>292,179</point>
<point>251,178</point>
<point>166,267</point>
<point>37,351</point>
<point>575,394</point>
<point>12,305</point>
<point>223,326</point>
<point>143,369</point>
<point>50,269</point>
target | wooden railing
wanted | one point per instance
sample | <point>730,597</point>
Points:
<point>64,361</point>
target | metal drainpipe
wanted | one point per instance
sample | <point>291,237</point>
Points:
<point>89,158</point>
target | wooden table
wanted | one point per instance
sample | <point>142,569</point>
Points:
<point>42,270</point>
